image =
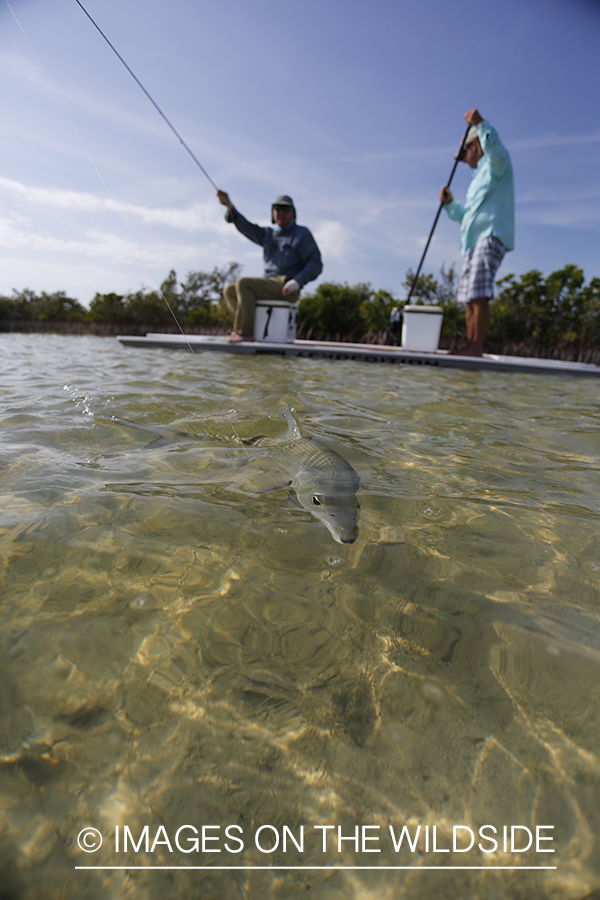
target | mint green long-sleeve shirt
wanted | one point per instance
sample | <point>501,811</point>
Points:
<point>490,203</point>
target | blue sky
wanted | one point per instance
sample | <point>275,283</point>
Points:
<point>354,107</point>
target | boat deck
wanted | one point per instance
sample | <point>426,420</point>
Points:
<point>365,352</point>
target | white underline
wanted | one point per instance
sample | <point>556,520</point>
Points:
<point>289,868</point>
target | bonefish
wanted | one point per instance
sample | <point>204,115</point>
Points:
<point>323,481</point>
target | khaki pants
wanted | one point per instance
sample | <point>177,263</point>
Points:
<point>241,296</point>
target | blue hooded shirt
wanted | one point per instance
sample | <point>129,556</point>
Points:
<point>292,251</point>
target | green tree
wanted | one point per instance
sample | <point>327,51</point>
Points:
<point>108,309</point>
<point>146,307</point>
<point>334,311</point>
<point>201,298</point>
<point>357,312</point>
<point>27,306</point>
<point>195,301</point>
<point>555,311</point>
<point>57,307</point>
<point>22,305</point>
<point>376,310</point>
<point>169,294</point>
<point>590,317</point>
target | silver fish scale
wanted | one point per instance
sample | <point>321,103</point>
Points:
<point>319,458</point>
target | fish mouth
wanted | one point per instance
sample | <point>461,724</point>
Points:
<point>349,538</point>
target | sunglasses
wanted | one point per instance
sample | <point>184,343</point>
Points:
<point>279,208</point>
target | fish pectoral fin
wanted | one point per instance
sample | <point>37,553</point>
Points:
<point>293,497</point>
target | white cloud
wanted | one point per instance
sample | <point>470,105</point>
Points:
<point>334,240</point>
<point>552,139</point>
<point>568,215</point>
<point>23,69</point>
<point>196,217</point>
<point>558,194</point>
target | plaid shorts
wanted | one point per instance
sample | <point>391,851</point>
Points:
<point>479,269</point>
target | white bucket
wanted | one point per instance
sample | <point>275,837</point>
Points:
<point>275,321</point>
<point>421,327</point>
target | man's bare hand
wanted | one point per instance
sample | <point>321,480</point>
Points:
<point>445,195</point>
<point>472,117</point>
<point>224,199</point>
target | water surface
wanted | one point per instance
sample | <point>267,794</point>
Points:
<point>180,650</point>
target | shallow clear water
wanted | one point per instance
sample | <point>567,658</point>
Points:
<point>180,650</point>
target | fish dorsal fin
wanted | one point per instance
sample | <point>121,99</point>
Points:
<point>293,433</point>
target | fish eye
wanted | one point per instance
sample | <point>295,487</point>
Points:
<point>316,501</point>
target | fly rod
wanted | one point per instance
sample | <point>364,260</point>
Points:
<point>150,98</point>
<point>196,160</point>
<point>457,159</point>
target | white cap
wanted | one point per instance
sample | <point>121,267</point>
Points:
<point>471,135</point>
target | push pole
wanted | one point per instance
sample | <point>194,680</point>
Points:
<point>457,159</point>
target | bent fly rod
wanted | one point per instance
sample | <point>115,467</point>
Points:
<point>457,159</point>
<point>150,98</point>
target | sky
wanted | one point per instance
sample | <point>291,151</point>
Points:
<point>353,107</point>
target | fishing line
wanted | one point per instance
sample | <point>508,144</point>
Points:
<point>150,98</point>
<point>195,159</point>
<point>99,174</point>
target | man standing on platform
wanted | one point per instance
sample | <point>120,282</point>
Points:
<point>291,258</point>
<point>487,224</point>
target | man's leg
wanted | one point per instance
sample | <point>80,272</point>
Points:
<point>248,291</point>
<point>243,321</point>
<point>470,322</point>
<point>477,278</point>
<point>478,317</point>
<point>463,298</point>
<point>230,297</point>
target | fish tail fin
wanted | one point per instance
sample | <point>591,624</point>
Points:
<point>293,427</point>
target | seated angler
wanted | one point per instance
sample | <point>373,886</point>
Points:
<point>291,257</point>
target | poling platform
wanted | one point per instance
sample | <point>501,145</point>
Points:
<point>365,352</point>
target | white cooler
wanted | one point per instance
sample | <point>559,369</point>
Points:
<point>421,327</point>
<point>275,321</point>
